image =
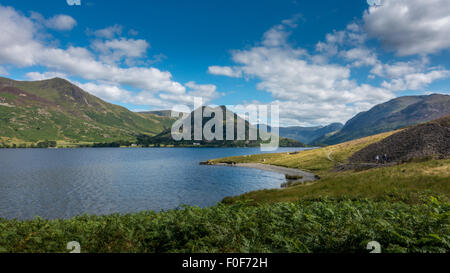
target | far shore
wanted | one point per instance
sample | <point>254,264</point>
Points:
<point>142,147</point>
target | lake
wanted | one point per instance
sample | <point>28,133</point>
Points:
<point>63,183</point>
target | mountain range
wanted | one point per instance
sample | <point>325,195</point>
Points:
<point>228,117</point>
<point>57,110</point>
<point>308,135</point>
<point>394,114</point>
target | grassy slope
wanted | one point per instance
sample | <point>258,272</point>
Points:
<point>57,110</point>
<point>406,182</point>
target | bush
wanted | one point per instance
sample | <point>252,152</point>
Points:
<point>293,177</point>
<point>46,144</point>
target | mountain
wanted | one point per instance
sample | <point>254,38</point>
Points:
<point>397,113</point>
<point>228,117</point>
<point>308,134</point>
<point>431,139</point>
<point>55,109</point>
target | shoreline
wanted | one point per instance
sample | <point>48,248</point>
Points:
<point>139,147</point>
<point>307,176</point>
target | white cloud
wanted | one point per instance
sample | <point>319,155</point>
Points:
<point>415,81</point>
<point>349,46</point>
<point>37,76</point>
<point>225,71</point>
<point>310,92</point>
<point>105,70</point>
<point>20,47</point>
<point>61,22</point>
<point>116,50</point>
<point>108,92</point>
<point>360,57</point>
<point>410,75</point>
<point>17,45</point>
<point>114,93</point>
<point>207,91</point>
<point>410,27</point>
<point>107,33</point>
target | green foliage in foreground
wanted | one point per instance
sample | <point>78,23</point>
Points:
<point>320,226</point>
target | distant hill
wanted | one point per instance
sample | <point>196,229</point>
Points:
<point>166,136</point>
<point>307,135</point>
<point>56,109</point>
<point>394,114</point>
<point>161,113</point>
<point>431,139</point>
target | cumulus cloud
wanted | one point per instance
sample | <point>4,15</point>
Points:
<point>116,50</point>
<point>61,22</point>
<point>360,57</point>
<point>20,47</point>
<point>309,92</point>
<point>207,91</point>
<point>410,27</point>
<point>107,33</point>
<point>415,81</point>
<point>38,76</point>
<point>225,71</point>
<point>108,92</point>
<point>112,92</point>
<point>106,67</point>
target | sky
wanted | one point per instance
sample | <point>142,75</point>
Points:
<point>320,61</point>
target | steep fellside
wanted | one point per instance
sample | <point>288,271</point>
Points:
<point>430,139</point>
<point>228,117</point>
<point>395,114</point>
<point>58,110</point>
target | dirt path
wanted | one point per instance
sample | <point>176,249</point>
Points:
<point>283,170</point>
<point>329,157</point>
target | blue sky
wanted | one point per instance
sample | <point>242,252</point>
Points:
<point>321,61</point>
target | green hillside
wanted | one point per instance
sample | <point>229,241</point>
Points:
<point>392,115</point>
<point>340,179</point>
<point>165,137</point>
<point>58,110</point>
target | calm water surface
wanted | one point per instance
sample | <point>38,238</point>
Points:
<point>68,182</point>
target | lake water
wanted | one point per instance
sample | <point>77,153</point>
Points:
<point>63,183</point>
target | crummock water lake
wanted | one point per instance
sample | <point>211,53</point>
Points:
<point>63,183</point>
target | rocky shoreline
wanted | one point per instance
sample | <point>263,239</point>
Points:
<point>306,176</point>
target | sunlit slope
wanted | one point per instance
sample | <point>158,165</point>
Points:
<point>394,114</point>
<point>58,110</point>
<point>406,182</point>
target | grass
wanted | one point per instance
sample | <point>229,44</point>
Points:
<point>303,227</point>
<point>315,160</point>
<point>405,182</point>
